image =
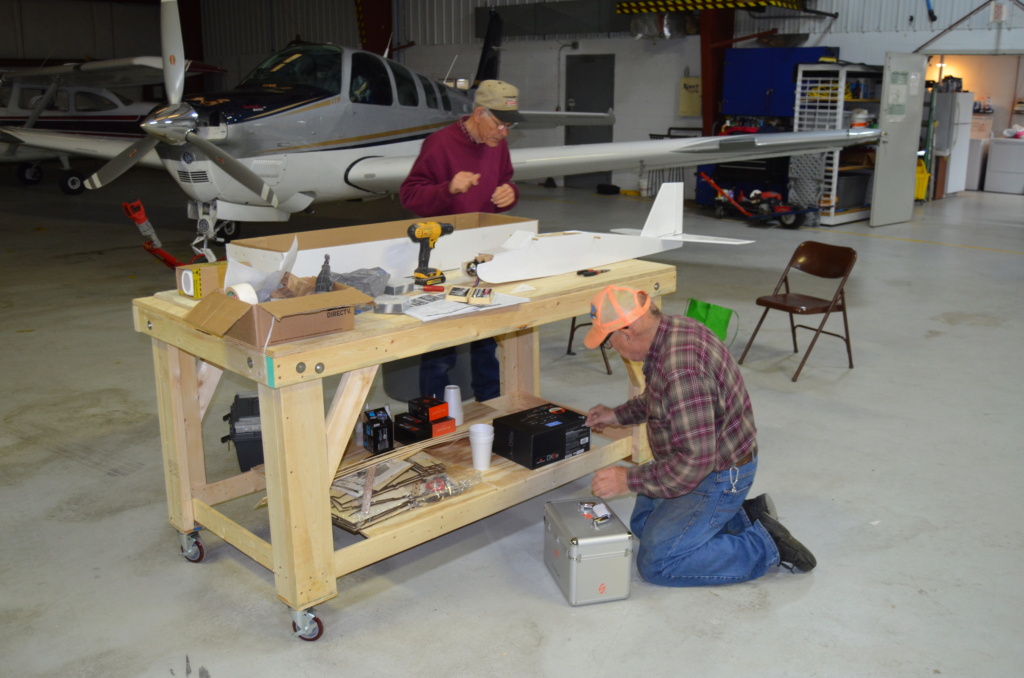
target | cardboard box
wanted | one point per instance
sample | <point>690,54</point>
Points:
<point>198,280</point>
<point>275,322</point>
<point>412,429</point>
<point>428,408</point>
<point>378,430</point>
<point>385,244</point>
<point>541,435</point>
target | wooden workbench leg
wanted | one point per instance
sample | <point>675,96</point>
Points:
<point>295,460</point>
<point>520,362</point>
<point>181,431</point>
<point>343,416</point>
<point>641,448</point>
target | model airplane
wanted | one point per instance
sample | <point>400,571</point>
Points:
<point>318,123</point>
<point>528,255</point>
<point>76,98</point>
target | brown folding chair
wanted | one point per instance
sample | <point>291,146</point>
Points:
<point>821,261</point>
<point>572,333</point>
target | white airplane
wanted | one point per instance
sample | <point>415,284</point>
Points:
<point>319,123</point>
<point>76,98</point>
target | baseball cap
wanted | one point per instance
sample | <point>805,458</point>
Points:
<point>500,98</point>
<point>612,309</point>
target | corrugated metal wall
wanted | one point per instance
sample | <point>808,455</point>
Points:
<point>877,16</point>
<point>265,26</point>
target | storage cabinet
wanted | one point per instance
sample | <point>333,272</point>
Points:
<point>839,183</point>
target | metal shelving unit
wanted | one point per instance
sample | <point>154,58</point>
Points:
<point>825,94</point>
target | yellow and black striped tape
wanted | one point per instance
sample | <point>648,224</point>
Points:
<point>644,6</point>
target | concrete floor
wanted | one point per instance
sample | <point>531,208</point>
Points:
<point>898,474</point>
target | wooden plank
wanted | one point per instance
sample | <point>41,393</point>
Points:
<point>234,487</point>
<point>295,461</point>
<point>641,449</point>
<point>426,523</point>
<point>343,416</point>
<point>209,378</point>
<point>181,438</point>
<point>234,534</point>
<point>520,362</point>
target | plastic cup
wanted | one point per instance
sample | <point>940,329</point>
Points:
<point>481,441</point>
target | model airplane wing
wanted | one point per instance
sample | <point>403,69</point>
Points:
<point>383,174</point>
<point>108,73</point>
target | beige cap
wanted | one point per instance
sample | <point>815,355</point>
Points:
<point>500,98</point>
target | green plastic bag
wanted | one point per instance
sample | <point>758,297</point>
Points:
<point>716,318</point>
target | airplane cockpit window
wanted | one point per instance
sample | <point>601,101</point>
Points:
<point>316,66</point>
<point>370,81</point>
<point>445,99</point>
<point>429,91</point>
<point>5,95</point>
<point>90,101</point>
<point>31,96</point>
<point>407,95</point>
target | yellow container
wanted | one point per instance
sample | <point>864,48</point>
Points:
<point>921,187</point>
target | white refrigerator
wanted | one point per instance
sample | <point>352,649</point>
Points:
<point>953,111</point>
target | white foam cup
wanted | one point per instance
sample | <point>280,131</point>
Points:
<point>481,440</point>
<point>453,396</point>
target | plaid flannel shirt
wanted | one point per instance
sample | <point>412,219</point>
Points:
<point>696,408</point>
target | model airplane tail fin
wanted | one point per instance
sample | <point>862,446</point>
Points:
<point>666,216</point>
<point>490,55</point>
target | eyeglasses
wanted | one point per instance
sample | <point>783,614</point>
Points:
<point>502,126</point>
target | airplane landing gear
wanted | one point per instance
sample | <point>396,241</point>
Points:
<point>72,182</point>
<point>29,173</point>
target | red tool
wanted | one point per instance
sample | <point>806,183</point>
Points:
<point>433,288</point>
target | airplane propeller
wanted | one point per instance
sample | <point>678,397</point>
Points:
<point>175,124</point>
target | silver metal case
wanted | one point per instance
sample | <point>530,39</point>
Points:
<point>588,550</point>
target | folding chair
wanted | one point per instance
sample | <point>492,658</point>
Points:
<point>572,333</point>
<point>821,261</point>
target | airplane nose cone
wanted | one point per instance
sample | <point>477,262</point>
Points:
<point>171,124</point>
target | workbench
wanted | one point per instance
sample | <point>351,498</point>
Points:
<point>304,450</point>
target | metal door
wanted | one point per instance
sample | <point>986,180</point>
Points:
<point>899,118</point>
<point>590,88</point>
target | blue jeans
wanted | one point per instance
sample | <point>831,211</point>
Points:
<point>486,376</point>
<point>703,538</point>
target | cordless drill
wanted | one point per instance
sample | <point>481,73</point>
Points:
<point>426,234</point>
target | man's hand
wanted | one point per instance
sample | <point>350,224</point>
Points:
<point>609,482</point>
<point>503,196</point>
<point>600,416</point>
<point>462,182</point>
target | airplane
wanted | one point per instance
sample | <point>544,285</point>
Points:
<point>319,123</point>
<point>76,98</point>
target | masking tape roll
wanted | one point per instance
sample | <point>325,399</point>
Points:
<point>244,292</point>
<point>391,304</point>
<point>187,284</point>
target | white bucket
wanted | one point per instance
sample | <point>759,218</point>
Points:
<point>859,118</point>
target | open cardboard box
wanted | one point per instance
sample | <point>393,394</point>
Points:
<point>386,245</point>
<point>275,322</point>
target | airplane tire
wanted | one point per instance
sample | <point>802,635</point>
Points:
<point>230,230</point>
<point>29,173</point>
<point>791,221</point>
<point>72,182</point>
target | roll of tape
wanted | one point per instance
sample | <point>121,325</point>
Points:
<point>188,287</point>
<point>391,304</point>
<point>244,292</point>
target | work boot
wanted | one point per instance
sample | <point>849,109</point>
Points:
<point>792,554</point>
<point>761,504</point>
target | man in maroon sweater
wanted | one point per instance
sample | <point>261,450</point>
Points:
<point>465,167</point>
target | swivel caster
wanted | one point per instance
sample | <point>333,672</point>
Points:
<point>306,625</point>
<point>191,548</point>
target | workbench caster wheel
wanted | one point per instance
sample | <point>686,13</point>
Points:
<point>307,625</point>
<point>191,548</point>
<point>72,182</point>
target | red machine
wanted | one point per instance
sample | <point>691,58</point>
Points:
<point>758,206</point>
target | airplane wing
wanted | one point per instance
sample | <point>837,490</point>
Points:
<point>108,73</point>
<point>81,145</point>
<point>551,119</point>
<point>384,174</point>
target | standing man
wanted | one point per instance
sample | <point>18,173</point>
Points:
<point>694,527</point>
<point>465,167</point>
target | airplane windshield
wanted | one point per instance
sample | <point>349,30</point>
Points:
<point>301,66</point>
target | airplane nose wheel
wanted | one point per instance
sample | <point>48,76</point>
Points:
<point>72,182</point>
<point>229,230</point>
